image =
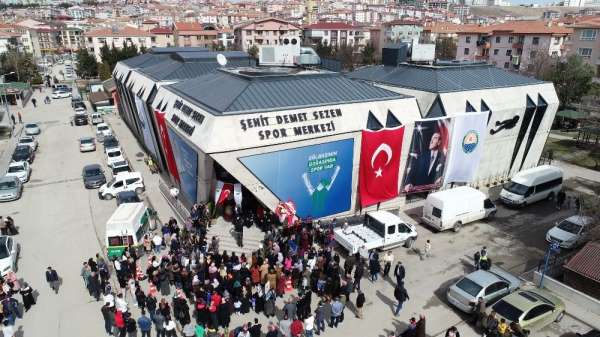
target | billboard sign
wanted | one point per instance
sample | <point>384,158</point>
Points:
<point>186,159</point>
<point>317,178</point>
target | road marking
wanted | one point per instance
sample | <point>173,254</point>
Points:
<point>34,185</point>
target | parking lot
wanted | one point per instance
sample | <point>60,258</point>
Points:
<point>61,224</point>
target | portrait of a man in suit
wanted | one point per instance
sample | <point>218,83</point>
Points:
<point>426,161</point>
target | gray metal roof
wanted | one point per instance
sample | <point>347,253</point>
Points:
<point>144,60</point>
<point>224,92</point>
<point>176,68</point>
<point>170,50</point>
<point>439,79</point>
<point>206,55</point>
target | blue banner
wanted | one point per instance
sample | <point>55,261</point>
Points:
<point>186,159</point>
<point>317,178</point>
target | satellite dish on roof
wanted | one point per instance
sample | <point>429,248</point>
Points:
<point>222,60</point>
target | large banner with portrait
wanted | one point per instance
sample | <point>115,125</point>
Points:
<point>186,159</point>
<point>427,155</point>
<point>317,178</point>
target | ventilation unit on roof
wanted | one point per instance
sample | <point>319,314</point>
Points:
<point>287,53</point>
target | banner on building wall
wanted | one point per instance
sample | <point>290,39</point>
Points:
<point>427,156</point>
<point>186,160</point>
<point>166,145</point>
<point>468,134</point>
<point>379,165</point>
<point>224,191</point>
<point>237,194</point>
<point>117,102</point>
<point>147,134</point>
<point>316,178</point>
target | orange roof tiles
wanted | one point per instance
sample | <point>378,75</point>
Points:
<point>518,27</point>
<point>123,32</point>
<point>586,262</point>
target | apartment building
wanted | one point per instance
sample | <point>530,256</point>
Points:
<point>401,31</point>
<point>71,38</point>
<point>512,45</point>
<point>335,34</point>
<point>585,41</point>
<point>267,31</point>
<point>194,34</point>
<point>117,37</point>
<point>164,36</point>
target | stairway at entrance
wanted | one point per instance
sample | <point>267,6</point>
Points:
<point>224,231</point>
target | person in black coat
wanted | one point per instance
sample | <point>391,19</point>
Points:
<point>374,266</point>
<point>401,295</point>
<point>427,168</point>
<point>358,273</point>
<point>360,302</point>
<point>224,314</point>
<point>399,273</point>
<point>27,294</point>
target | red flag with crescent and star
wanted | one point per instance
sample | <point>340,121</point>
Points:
<point>379,165</point>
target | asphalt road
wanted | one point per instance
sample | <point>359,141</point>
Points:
<point>61,224</point>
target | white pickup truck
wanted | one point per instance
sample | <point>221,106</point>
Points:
<point>380,230</point>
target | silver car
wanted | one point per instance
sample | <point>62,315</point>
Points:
<point>10,188</point>
<point>490,285</point>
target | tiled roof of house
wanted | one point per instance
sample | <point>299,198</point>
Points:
<point>122,32</point>
<point>188,26</point>
<point>593,22</point>
<point>161,30</point>
<point>442,27</point>
<point>586,262</point>
<point>331,25</point>
<point>518,27</point>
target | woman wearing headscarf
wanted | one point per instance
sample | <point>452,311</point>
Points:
<point>27,293</point>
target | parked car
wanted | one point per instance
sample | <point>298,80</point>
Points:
<point>29,141</point>
<point>19,169</point>
<point>93,176</point>
<point>10,188</point>
<point>79,107</point>
<point>75,100</point>
<point>532,185</point>
<point>114,155</point>
<point>80,119</point>
<point>32,129</point>
<point>490,285</point>
<point>533,308</point>
<point>87,144</point>
<point>571,232</point>
<point>125,181</point>
<point>120,166</point>
<point>102,130</point>
<point>23,153</point>
<point>110,142</point>
<point>97,119</point>
<point>9,254</point>
<point>58,94</point>
<point>127,197</point>
<point>63,87</point>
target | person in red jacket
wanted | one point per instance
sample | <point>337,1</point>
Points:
<point>297,328</point>
<point>120,323</point>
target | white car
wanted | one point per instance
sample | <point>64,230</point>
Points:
<point>19,169</point>
<point>9,254</point>
<point>57,94</point>
<point>32,129</point>
<point>29,141</point>
<point>120,166</point>
<point>87,144</point>
<point>124,181</point>
<point>571,232</point>
<point>102,130</point>
<point>97,119</point>
<point>113,156</point>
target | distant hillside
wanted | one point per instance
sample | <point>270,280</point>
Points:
<point>518,11</point>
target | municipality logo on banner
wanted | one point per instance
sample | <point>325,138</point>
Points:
<point>468,135</point>
<point>470,141</point>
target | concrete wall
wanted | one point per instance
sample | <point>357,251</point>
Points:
<point>578,304</point>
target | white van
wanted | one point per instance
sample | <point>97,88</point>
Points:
<point>455,207</point>
<point>123,181</point>
<point>126,228</point>
<point>529,186</point>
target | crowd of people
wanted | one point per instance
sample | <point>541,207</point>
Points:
<point>182,282</point>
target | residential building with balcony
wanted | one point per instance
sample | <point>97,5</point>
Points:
<point>117,37</point>
<point>164,36</point>
<point>194,34</point>
<point>264,32</point>
<point>585,41</point>
<point>72,38</point>
<point>512,45</point>
<point>335,34</point>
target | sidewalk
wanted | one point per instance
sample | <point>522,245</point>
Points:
<point>136,155</point>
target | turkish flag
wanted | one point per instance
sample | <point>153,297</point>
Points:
<point>166,145</point>
<point>226,191</point>
<point>379,165</point>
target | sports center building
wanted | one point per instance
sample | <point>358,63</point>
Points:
<point>273,135</point>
